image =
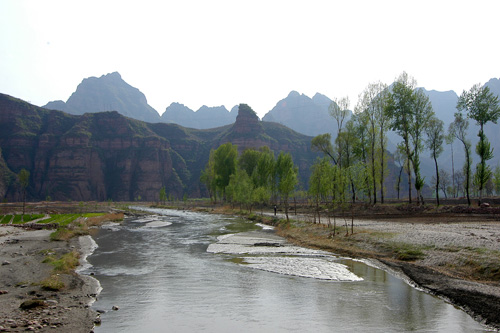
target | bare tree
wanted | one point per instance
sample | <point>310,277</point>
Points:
<point>434,143</point>
<point>339,110</point>
<point>458,128</point>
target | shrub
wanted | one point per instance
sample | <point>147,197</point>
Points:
<point>65,264</point>
<point>52,283</point>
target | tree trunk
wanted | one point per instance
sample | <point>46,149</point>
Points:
<point>409,181</point>
<point>373,172</point>
<point>399,180</point>
<point>437,179</point>
<point>382,151</point>
<point>452,172</point>
<point>467,175</point>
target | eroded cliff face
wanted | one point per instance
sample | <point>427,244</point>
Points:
<point>107,156</point>
<point>91,157</point>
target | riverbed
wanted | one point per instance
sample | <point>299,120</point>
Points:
<point>180,271</point>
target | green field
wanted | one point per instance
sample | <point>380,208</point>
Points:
<point>61,219</point>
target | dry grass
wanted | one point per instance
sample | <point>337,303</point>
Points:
<point>52,283</point>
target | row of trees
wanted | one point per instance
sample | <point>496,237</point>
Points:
<point>254,177</point>
<point>359,152</point>
<point>354,166</point>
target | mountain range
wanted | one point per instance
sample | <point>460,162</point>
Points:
<point>198,132</point>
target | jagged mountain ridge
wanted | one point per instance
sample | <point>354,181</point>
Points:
<point>205,117</point>
<point>303,114</point>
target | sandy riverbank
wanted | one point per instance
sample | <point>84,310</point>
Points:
<point>22,269</point>
<point>455,251</point>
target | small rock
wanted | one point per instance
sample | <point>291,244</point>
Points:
<point>116,308</point>
<point>5,263</point>
<point>97,321</point>
<point>3,292</point>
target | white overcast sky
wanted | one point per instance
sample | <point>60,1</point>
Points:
<point>229,52</point>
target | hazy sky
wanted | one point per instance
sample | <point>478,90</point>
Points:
<point>255,52</point>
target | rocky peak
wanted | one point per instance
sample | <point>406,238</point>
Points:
<point>247,120</point>
<point>107,93</point>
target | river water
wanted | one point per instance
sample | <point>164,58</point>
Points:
<point>193,272</point>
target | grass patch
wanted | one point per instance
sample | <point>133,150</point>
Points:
<point>52,283</point>
<point>64,234</point>
<point>18,219</point>
<point>65,264</point>
<point>406,252</point>
<point>6,219</point>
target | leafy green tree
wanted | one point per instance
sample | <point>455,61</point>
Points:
<point>400,111</point>
<point>482,106</point>
<point>496,179</point>
<point>347,141</point>
<point>372,105</point>
<point>361,150</point>
<point>225,158</point>
<point>264,173</point>
<point>434,143</point>
<point>320,182</point>
<point>261,195</point>
<point>24,180</point>
<point>248,160</point>
<point>362,147</point>
<point>323,143</point>
<point>287,178</point>
<point>163,195</point>
<point>449,140</point>
<point>458,129</point>
<point>410,111</point>
<point>422,113</point>
<point>208,177</point>
<point>240,189</point>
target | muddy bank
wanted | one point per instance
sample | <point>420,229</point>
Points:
<point>22,270</point>
<point>481,301</point>
<point>454,257</point>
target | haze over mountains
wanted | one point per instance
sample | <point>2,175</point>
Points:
<point>309,116</point>
<point>107,93</point>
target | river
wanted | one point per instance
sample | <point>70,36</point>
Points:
<point>193,272</point>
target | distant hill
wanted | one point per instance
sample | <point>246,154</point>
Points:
<point>205,117</point>
<point>107,93</point>
<point>303,114</point>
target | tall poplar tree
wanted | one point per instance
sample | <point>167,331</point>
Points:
<point>400,111</point>
<point>482,106</point>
